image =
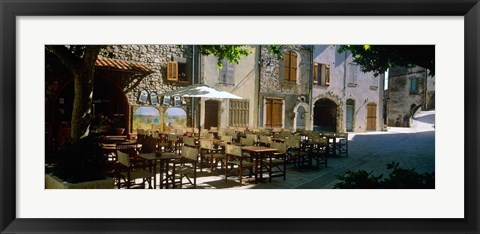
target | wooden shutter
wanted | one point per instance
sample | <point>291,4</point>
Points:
<point>230,77</point>
<point>172,70</point>
<point>293,66</point>
<point>286,65</point>
<point>268,123</point>
<point>327,75</point>
<point>277,113</point>
<point>315,73</point>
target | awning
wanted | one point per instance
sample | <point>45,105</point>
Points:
<point>122,65</point>
<point>201,90</point>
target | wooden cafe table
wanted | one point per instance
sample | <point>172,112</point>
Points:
<point>257,154</point>
<point>164,159</point>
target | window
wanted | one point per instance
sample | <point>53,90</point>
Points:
<point>353,75</point>
<point>177,71</point>
<point>321,74</point>
<point>413,85</point>
<point>227,73</point>
<point>274,109</point>
<point>239,112</point>
<point>290,66</point>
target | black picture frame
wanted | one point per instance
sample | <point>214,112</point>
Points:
<point>10,9</point>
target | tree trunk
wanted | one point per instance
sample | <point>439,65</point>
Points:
<point>82,103</point>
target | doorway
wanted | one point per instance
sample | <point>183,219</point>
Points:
<point>325,116</point>
<point>371,117</point>
<point>350,112</point>
<point>211,114</point>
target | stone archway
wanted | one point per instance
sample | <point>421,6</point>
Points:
<point>301,116</point>
<point>325,115</point>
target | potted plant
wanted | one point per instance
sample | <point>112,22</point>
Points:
<point>80,164</point>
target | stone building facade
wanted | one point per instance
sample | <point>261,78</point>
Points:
<point>409,90</point>
<point>285,88</point>
<point>241,79</point>
<point>343,97</point>
<point>128,78</point>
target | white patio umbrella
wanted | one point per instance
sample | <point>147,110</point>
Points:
<point>202,91</point>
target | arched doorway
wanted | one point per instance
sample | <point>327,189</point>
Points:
<point>350,114</point>
<point>300,121</point>
<point>211,114</point>
<point>325,116</point>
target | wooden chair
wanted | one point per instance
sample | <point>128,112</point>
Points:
<point>188,167</point>
<point>213,154</point>
<point>296,151</point>
<point>237,162</point>
<point>149,145</point>
<point>276,163</point>
<point>318,152</point>
<point>342,144</point>
<point>130,172</point>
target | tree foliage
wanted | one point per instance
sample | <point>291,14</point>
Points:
<point>378,58</point>
<point>399,178</point>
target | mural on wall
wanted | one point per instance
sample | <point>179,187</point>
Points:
<point>175,117</point>
<point>146,117</point>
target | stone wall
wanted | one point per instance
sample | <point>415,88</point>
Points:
<point>400,101</point>
<point>156,57</point>
<point>273,84</point>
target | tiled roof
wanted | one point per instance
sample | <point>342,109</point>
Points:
<point>122,65</point>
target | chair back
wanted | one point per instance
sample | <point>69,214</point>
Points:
<point>292,143</point>
<point>281,147</point>
<point>253,137</point>
<point>213,129</point>
<point>320,141</point>
<point>172,137</point>
<point>227,139</point>
<point>342,135</point>
<point>189,153</point>
<point>206,144</point>
<point>203,132</point>
<point>234,150</point>
<point>246,141</point>
<point>265,139</point>
<point>149,145</point>
<point>189,141</point>
<point>123,158</point>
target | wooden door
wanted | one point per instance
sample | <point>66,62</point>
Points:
<point>350,118</point>
<point>211,114</point>
<point>371,117</point>
<point>274,113</point>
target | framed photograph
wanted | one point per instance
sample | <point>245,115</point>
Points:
<point>28,27</point>
<point>143,96</point>
<point>166,100</point>
<point>153,98</point>
<point>178,101</point>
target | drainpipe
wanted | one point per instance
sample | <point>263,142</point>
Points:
<point>310,89</point>
<point>193,82</point>
<point>259,110</point>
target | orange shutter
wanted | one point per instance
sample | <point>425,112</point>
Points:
<point>293,66</point>
<point>172,70</point>
<point>269,114</point>
<point>277,113</point>
<point>286,65</point>
<point>315,74</point>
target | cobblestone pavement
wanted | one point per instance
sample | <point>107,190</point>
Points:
<point>412,147</point>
